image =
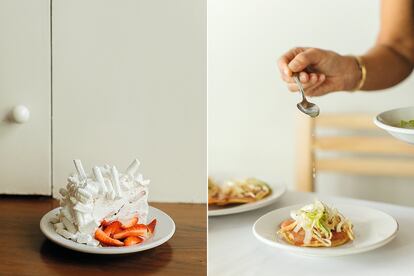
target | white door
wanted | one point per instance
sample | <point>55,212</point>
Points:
<point>129,80</point>
<point>25,149</point>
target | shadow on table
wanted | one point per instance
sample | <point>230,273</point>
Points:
<point>65,260</point>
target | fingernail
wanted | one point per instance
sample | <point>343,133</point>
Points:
<point>302,78</point>
<point>286,71</point>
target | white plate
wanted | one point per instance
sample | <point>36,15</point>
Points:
<point>372,229</point>
<point>164,230</point>
<point>277,192</point>
<point>390,121</point>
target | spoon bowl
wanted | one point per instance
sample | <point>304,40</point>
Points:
<point>305,106</point>
<point>309,109</point>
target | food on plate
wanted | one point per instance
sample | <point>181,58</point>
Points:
<point>407,124</point>
<point>237,191</point>
<point>105,208</point>
<point>214,192</point>
<point>119,234</point>
<point>316,225</point>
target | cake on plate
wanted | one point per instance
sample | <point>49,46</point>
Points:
<point>105,208</point>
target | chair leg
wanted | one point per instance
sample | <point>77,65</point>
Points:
<point>305,154</point>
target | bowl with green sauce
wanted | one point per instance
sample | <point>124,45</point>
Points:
<point>398,122</point>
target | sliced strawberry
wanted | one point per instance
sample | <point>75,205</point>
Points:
<point>140,230</point>
<point>105,239</point>
<point>130,223</point>
<point>133,240</point>
<point>151,226</point>
<point>104,223</point>
<point>113,228</point>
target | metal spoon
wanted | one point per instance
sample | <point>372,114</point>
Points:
<point>306,107</point>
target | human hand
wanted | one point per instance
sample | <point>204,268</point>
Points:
<point>320,71</point>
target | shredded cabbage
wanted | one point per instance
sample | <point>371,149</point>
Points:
<point>407,124</point>
<point>318,221</point>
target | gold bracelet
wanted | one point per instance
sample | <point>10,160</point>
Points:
<point>363,69</point>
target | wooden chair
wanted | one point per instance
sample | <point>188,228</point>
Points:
<point>372,153</point>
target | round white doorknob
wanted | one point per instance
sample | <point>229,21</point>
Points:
<point>20,114</point>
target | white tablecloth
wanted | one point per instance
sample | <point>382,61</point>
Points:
<point>233,250</point>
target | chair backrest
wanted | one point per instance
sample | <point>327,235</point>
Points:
<point>369,153</point>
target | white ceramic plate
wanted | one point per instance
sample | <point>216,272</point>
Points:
<point>372,229</point>
<point>390,121</point>
<point>164,230</point>
<point>277,192</point>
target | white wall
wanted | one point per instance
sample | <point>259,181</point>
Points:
<point>129,81</point>
<point>251,114</point>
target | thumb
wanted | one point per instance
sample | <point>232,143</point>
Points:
<point>304,59</point>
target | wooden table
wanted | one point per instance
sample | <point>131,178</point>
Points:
<point>233,249</point>
<point>25,251</point>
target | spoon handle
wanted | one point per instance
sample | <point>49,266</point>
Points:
<point>299,84</point>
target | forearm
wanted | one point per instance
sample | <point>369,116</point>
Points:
<point>391,59</point>
<point>385,67</point>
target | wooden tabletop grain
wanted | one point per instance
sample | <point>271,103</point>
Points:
<point>25,251</point>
